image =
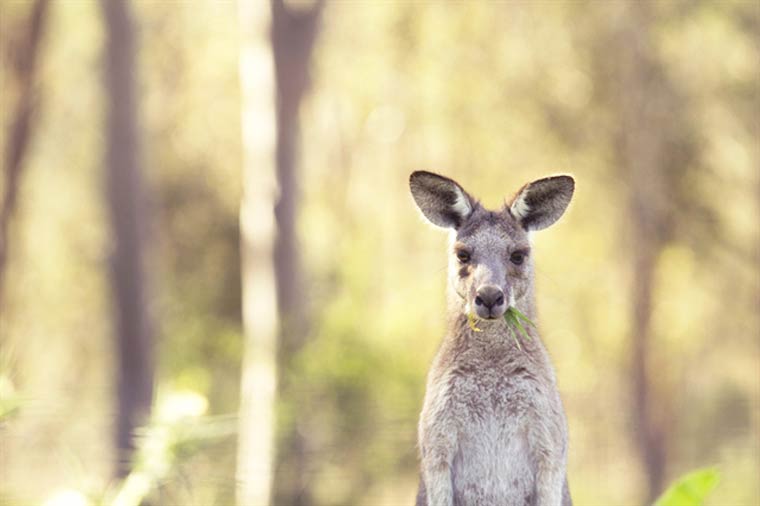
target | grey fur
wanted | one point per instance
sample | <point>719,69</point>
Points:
<point>492,430</point>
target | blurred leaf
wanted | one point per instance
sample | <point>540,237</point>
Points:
<point>10,400</point>
<point>691,489</point>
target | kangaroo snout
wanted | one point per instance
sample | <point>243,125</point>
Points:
<point>490,302</point>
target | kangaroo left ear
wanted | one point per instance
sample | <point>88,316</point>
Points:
<point>540,203</point>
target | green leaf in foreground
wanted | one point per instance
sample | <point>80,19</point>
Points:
<point>690,489</point>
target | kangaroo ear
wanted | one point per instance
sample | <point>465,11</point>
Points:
<point>441,200</point>
<point>540,203</point>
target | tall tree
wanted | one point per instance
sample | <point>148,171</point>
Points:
<point>18,138</point>
<point>126,196</point>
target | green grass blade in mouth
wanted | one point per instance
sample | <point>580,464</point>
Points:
<point>514,336</point>
<point>515,320</point>
<point>521,316</point>
<point>522,329</point>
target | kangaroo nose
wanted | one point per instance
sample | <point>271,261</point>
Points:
<point>489,296</point>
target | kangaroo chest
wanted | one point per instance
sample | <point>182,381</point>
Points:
<point>497,389</point>
<point>495,401</point>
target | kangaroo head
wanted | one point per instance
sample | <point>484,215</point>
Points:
<point>490,266</point>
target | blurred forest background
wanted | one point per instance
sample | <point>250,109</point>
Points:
<point>190,205</point>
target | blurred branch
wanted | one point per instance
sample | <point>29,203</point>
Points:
<point>20,128</point>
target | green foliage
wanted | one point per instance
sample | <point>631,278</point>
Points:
<point>691,489</point>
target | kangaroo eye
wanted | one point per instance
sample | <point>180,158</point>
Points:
<point>463,256</point>
<point>517,258</point>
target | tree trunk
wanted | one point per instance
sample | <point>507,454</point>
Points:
<point>126,203</point>
<point>20,127</point>
<point>256,433</point>
<point>293,36</point>
<point>642,149</point>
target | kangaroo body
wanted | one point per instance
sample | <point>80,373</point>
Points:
<point>492,429</point>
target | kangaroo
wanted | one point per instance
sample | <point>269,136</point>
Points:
<point>492,430</point>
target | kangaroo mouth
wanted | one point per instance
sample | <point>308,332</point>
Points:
<point>473,319</point>
<point>489,317</point>
<point>484,313</point>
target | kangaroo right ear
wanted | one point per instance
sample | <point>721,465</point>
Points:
<point>443,202</point>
